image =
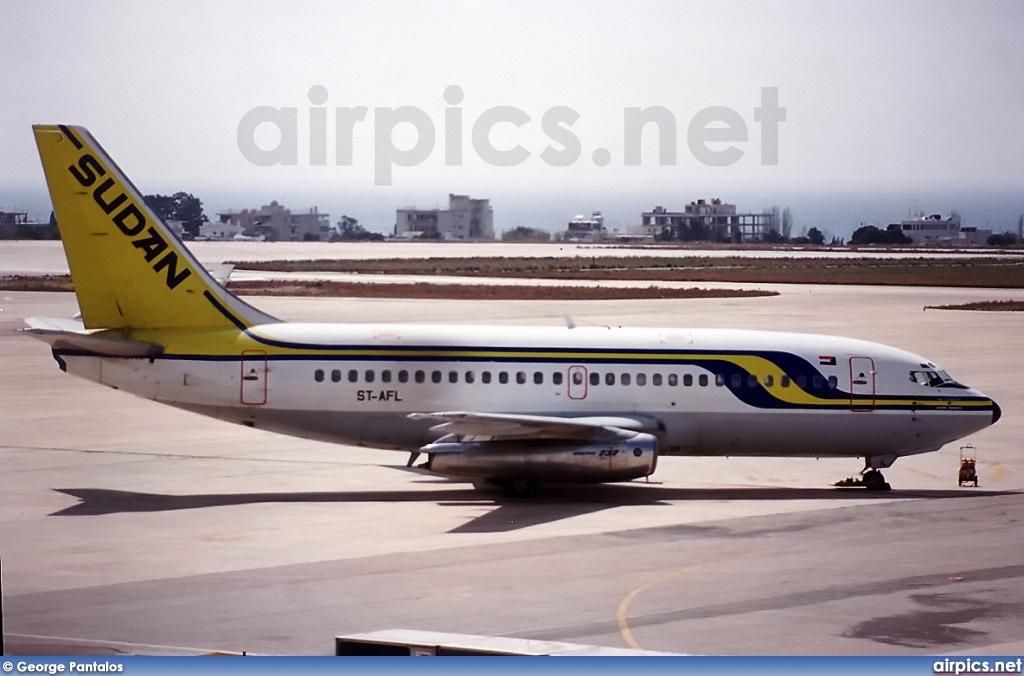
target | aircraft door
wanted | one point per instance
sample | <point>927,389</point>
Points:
<point>862,384</point>
<point>577,382</point>
<point>254,378</point>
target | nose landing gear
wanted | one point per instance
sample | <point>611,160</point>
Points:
<point>870,478</point>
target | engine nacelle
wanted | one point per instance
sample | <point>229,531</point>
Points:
<point>546,460</point>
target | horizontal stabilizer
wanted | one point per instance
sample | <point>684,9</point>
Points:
<point>70,334</point>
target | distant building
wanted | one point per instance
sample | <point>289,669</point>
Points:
<point>274,222</point>
<point>11,223</point>
<point>177,227</point>
<point>933,229</point>
<point>583,229</point>
<point>711,220</point>
<point>464,218</point>
<point>15,225</point>
<point>973,236</point>
<point>221,230</point>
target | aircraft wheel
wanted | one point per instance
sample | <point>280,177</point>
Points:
<point>874,481</point>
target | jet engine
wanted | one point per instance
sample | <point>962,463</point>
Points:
<point>546,460</point>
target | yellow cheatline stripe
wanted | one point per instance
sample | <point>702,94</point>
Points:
<point>225,343</point>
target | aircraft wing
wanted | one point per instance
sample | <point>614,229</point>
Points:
<point>71,334</point>
<point>470,426</point>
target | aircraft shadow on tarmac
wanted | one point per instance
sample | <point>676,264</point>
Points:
<point>508,513</point>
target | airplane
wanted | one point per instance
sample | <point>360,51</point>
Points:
<point>499,406</point>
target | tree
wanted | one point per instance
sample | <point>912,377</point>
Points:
<point>787,223</point>
<point>1020,227</point>
<point>181,206</point>
<point>866,234</point>
<point>773,237</point>
<point>525,234</point>
<point>349,230</point>
<point>666,235</point>
<point>774,214</point>
<point>1005,239</point>
<point>815,236</point>
<point>869,234</point>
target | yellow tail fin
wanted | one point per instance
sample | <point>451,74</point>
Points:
<point>129,269</point>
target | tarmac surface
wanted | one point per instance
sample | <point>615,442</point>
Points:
<point>127,527</point>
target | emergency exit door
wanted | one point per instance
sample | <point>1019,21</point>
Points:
<point>862,384</point>
<point>577,382</point>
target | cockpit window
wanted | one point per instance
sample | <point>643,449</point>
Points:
<point>933,379</point>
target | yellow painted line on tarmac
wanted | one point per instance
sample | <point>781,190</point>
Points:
<point>622,612</point>
<point>998,472</point>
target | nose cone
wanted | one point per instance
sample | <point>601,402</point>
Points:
<point>997,412</point>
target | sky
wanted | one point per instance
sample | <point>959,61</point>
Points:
<point>898,100</point>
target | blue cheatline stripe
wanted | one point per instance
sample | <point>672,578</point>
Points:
<point>224,311</point>
<point>757,397</point>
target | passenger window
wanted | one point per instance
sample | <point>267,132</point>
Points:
<point>609,378</point>
<point>625,379</point>
<point>318,375</point>
<point>719,380</point>
<point>595,379</point>
<point>486,377</point>
<point>335,376</point>
<point>385,376</point>
<point>818,381</point>
<point>656,380</point>
<point>751,381</point>
<point>769,380</point>
<point>470,376</point>
<point>833,382</point>
<point>538,378</point>
<point>369,375</point>
<point>556,377</point>
<point>641,379</point>
<point>702,380</point>
<point>353,376</point>
<point>673,380</point>
<point>784,381</point>
<point>520,377</point>
<point>577,378</point>
<point>453,377</point>
<point>420,376</point>
<point>435,376</point>
<point>737,381</point>
<point>503,377</point>
<point>403,376</point>
<point>801,382</point>
<point>688,380</point>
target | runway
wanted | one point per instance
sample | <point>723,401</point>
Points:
<point>129,527</point>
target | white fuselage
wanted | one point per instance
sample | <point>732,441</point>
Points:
<point>704,392</point>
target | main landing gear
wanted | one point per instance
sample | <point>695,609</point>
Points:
<point>510,488</point>
<point>870,477</point>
